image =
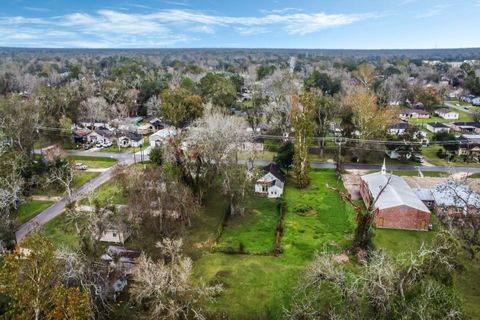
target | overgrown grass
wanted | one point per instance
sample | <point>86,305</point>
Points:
<point>30,209</point>
<point>258,286</point>
<point>83,177</point>
<point>108,192</point>
<point>61,233</point>
<point>94,162</point>
<point>255,232</point>
<point>316,218</point>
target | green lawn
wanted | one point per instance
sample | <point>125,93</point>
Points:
<point>94,162</point>
<point>83,177</point>
<point>61,233</point>
<point>258,285</point>
<point>396,242</point>
<point>30,209</point>
<point>107,192</point>
<point>256,231</point>
<point>430,155</point>
<point>462,116</point>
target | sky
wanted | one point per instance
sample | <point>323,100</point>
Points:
<point>323,24</point>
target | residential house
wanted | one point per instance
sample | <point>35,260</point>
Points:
<point>451,198</point>
<point>436,127</point>
<point>81,135</point>
<point>446,113</point>
<point>130,124</point>
<point>101,135</point>
<point>272,181</point>
<point>398,129</point>
<point>257,144</point>
<point>469,145</point>
<point>122,259</point>
<point>130,139</point>
<point>466,127</point>
<point>115,233</point>
<point>396,204</point>
<point>413,114</point>
<point>151,126</point>
<point>161,136</point>
<point>476,102</point>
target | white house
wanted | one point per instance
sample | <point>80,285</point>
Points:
<point>272,181</point>
<point>161,136</point>
<point>398,129</point>
<point>445,113</point>
<point>114,234</point>
<point>130,139</point>
<point>436,127</point>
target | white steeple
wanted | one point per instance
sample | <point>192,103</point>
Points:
<point>384,167</point>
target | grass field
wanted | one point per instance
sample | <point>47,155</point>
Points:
<point>94,162</point>
<point>256,232</point>
<point>107,192</point>
<point>83,177</point>
<point>30,209</point>
<point>430,155</point>
<point>257,285</point>
<point>61,233</point>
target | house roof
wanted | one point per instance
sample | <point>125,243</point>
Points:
<point>275,170</point>
<point>443,110</point>
<point>467,124</point>
<point>131,135</point>
<point>436,125</point>
<point>396,193</point>
<point>453,195</point>
<point>411,111</point>
<point>81,132</point>
<point>424,194</point>
<point>400,125</point>
<point>105,132</point>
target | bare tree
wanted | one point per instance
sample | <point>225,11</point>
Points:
<point>164,287</point>
<point>382,288</point>
<point>63,173</point>
<point>461,213</point>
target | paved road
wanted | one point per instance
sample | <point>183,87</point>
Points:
<point>56,209</point>
<point>460,108</point>
<point>128,158</point>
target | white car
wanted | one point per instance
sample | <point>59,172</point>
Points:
<point>99,144</point>
<point>107,144</point>
<point>80,166</point>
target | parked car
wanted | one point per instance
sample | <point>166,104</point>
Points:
<point>87,146</point>
<point>107,144</point>
<point>419,159</point>
<point>99,144</point>
<point>80,166</point>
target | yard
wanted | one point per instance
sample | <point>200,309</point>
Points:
<point>61,233</point>
<point>94,162</point>
<point>30,209</point>
<point>430,155</point>
<point>257,284</point>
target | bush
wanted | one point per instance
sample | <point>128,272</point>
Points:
<point>156,155</point>
<point>302,209</point>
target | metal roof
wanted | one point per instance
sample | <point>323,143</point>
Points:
<point>397,193</point>
<point>454,195</point>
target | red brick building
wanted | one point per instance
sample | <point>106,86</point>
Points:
<point>397,206</point>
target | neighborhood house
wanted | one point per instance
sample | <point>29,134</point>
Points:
<point>272,181</point>
<point>446,114</point>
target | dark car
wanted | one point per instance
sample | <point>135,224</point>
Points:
<point>87,146</point>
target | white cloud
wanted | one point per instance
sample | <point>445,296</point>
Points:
<point>109,27</point>
<point>435,11</point>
